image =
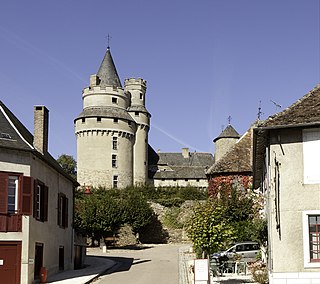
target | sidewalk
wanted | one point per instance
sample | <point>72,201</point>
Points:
<point>94,266</point>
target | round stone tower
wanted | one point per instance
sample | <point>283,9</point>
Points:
<point>105,131</point>
<point>223,143</point>
<point>136,90</point>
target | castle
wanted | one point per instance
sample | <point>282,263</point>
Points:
<point>112,130</point>
<point>112,138</point>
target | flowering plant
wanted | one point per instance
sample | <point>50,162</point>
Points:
<point>259,272</point>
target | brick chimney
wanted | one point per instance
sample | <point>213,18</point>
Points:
<point>41,123</point>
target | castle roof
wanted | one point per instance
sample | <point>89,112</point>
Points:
<point>237,159</point>
<point>228,132</point>
<point>107,72</point>
<point>106,111</point>
<point>174,165</point>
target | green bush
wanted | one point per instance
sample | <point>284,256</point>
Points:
<point>171,218</point>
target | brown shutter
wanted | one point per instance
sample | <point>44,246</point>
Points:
<point>45,203</point>
<point>26,196</point>
<point>66,212</point>
<point>35,184</point>
<point>59,210</point>
<point>3,193</point>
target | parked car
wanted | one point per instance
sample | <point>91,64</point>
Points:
<point>247,250</point>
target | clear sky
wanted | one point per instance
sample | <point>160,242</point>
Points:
<point>204,60</point>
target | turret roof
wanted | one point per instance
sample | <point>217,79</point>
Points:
<point>107,72</point>
<point>228,132</point>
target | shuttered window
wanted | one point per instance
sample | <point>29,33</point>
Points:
<point>62,210</point>
<point>40,201</point>
<point>15,193</point>
<point>311,156</point>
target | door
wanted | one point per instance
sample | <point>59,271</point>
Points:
<point>38,260</point>
<point>10,262</point>
<point>61,258</point>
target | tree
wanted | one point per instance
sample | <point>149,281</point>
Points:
<point>69,164</point>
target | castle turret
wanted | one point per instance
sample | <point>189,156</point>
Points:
<point>105,131</point>
<point>136,89</point>
<point>223,143</point>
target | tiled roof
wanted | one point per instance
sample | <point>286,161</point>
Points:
<point>174,165</point>
<point>107,72</point>
<point>237,159</point>
<point>228,132</point>
<point>112,112</point>
<point>305,110</point>
<point>12,133</point>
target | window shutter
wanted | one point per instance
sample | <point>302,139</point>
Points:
<point>35,184</point>
<point>66,212</point>
<point>59,210</point>
<point>26,196</point>
<point>45,203</point>
<point>3,193</point>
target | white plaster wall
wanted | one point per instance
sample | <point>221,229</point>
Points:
<point>295,197</point>
<point>222,146</point>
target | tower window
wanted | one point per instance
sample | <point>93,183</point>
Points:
<point>115,120</point>
<point>114,161</point>
<point>129,122</point>
<point>136,113</point>
<point>115,182</point>
<point>98,119</point>
<point>141,96</point>
<point>115,143</point>
<point>114,100</point>
<point>83,120</point>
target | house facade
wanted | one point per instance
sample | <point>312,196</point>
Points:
<point>286,157</point>
<point>36,202</point>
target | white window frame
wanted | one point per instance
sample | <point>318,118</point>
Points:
<point>115,143</point>
<point>114,162</point>
<point>16,192</point>
<point>115,181</point>
<point>311,155</point>
<point>306,241</point>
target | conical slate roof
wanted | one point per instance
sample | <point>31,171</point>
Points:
<point>228,132</point>
<point>107,72</point>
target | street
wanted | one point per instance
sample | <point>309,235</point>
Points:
<point>150,264</point>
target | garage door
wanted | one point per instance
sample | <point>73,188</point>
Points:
<point>10,262</point>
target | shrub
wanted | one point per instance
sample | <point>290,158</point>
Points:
<point>259,272</point>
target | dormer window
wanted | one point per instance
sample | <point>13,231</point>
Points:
<point>114,100</point>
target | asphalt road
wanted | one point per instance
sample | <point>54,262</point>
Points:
<point>156,264</point>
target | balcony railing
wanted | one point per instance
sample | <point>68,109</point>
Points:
<point>10,222</point>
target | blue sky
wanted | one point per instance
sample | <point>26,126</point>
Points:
<point>204,60</point>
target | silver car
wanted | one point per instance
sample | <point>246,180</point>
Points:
<point>247,250</point>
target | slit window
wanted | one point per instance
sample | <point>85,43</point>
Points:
<point>114,100</point>
<point>115,120</point>
<point>98,119</point>
<point>136,113</point>
<point>115,143</point>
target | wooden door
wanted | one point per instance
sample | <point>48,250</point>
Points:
<point>10,262</point>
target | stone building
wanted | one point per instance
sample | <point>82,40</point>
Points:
<point>179,169</point>
<point>112,130</point>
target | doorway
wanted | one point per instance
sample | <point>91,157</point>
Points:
<point>10,262</point>
<point>38,260</point>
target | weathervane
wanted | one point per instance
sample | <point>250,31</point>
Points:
<point>108,38</point>
<point>229,120</point>
<point>259,111</point>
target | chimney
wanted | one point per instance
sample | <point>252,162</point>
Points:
<point>185,152</point>
<point>41,122</point>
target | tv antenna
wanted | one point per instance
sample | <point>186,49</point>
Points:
<point>278,107</point>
